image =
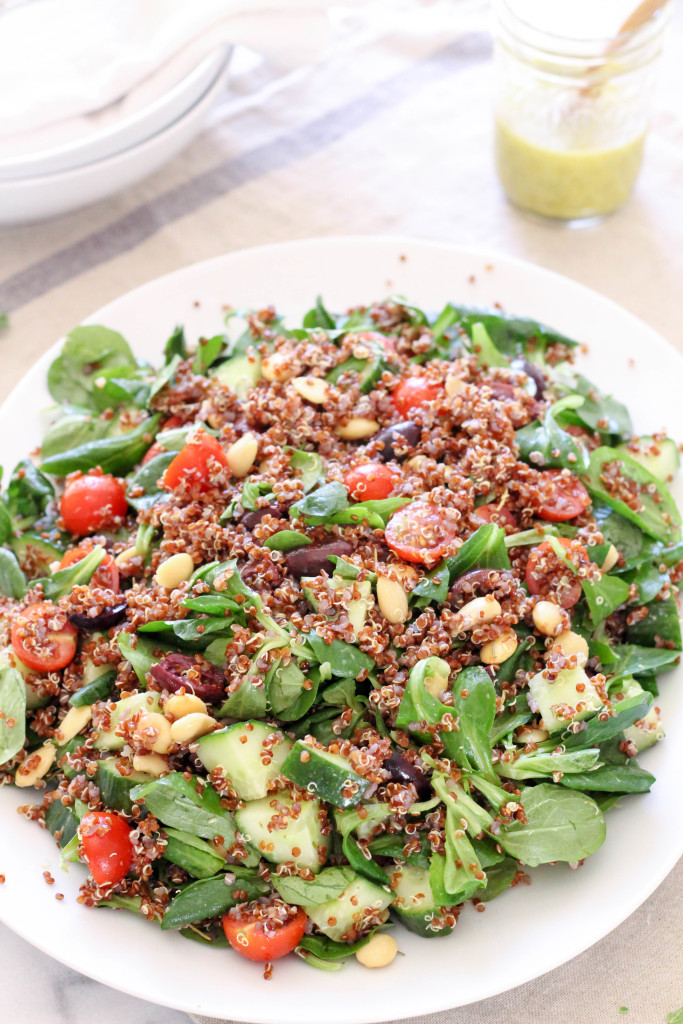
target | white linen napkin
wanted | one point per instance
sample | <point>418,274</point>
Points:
<point>71,67</point>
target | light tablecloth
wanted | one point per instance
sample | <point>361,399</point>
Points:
<point>390,133</point>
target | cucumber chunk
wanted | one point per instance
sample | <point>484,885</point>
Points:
<point>303,833</point>
<point>99,689</point>
<point>549,696</point>
<point>347,916</point>
<point>658,455</point>
<point>329,776</point>
<point>247,754</point>
<point>107,739</point>
<point>35,555</point>
<point>240,373</point>
<point>647,731</point>
<point>114,787</point>
<point>414,902</point>
<point>196,856</point>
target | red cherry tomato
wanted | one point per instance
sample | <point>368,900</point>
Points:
<point>370,481</point>
<point>92,502</point>
<point>255,933</point>
<point>107,848</point>
<point>157,448</point>
<point>561,497</point>
<point>414,391</point>
<point>422,532</point>
<point>546,574</point>
<point>493,514</point>
<point>39,642</point>
<point>196,462</point>
<point>107,573</point>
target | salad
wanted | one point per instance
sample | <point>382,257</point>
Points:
<point>316,629</point>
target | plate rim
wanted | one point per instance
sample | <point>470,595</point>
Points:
<point>669,858</point>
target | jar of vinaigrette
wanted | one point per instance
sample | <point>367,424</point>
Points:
<point>572,108</point>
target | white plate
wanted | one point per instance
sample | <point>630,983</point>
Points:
<point>528,930</point>
<point>31,199</point>
<point>128,131</point>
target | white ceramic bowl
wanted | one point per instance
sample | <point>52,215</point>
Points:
<point>32,199</point>
<point>129,131</point>
<point>529,929</point>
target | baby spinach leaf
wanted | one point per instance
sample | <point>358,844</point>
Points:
<point>605,596</point>
<point>72,430</point>
<point>308,465</point>
<point>418,705</point>
<point>178,802</point>
<point>359,862</point>
<point>63,581</point>
<point>284,685</point>
<point>484,549</point>
<point>599,413</point>
<point>626,712</point>
<point>516,714</point>
<point>28,494</point>
<point>86,353</point>
<point>474,706</point>
<point>247,701</point>
<point>535,766</point>
<point>12,579</point>
<point>13,707</point>
<point>658,515</point>
<point>318,317</point>
<point>116,455</point>
<point>648,579</point>
<point>483,347</point>
<point>176,345</point>
<point>627,538</point>
<point>141,653</point>
<point>322,503</point>
<point>611,778</point>
<point>326,886</point>
<point>499,877</point>
<point>251,490</point>
<point>148,477</point>
<point>547,438</point>
<point>209,897</point>
<point>196,856</point>
<point>328,949</point>
<point>208,351</point>
<point>661,623</point>
<point>511,335</point>
<point>345,660</point>
<point>342,693</point>
<point>287,540</point>
<point>162,377</point>
<point>377,513</point>
<point>560,825</point>
<point>631,660</point>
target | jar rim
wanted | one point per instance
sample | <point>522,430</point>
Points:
<point>625,44</point>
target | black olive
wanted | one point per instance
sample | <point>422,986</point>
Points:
<point>104,620</point>
<point>397,440</point>
<point>170,675</point>
<point>403,771</point>
<point>311,561</point>
<point>251,519</point>
<point>533,373</point>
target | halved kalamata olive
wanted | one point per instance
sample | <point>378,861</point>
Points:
<point>397,440</point>
<point>104,620</point>
<point>252,519</point>
<point>483,579</point>
<point>403,771</point>
<point>534,373</point>
<point>171,671</point>
<point>311,561</point>
<point>500,389</point>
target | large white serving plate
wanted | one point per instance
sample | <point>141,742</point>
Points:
<point>528,930</point>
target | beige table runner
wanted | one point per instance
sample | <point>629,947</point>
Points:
<point>390,132</point>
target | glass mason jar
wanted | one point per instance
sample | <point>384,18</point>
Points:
<point>571,114</point>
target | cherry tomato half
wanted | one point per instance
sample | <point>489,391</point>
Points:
<point>257,939</point>
<point>561,497</point>
<point>196,462</point>
<point>107,848</point>
<point>414,391</point>
<point>545,573</point>
<point>370,481</point>
<point>493,514</point>
<point>39,645</point>
<point>92,502</point>
<point>106,575</point>
<point>422,532</point>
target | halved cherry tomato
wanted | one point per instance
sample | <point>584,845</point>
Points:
<point>493,514</point>
<point>370,481</point>
<point>107,848</point>
<point>562,497</point>
<point>92,502</point>
<point>39,645</point>
<point>196,462</point>
<point>545,573</point>
<point>257,935</point>
<point>414,391</point>
<point>157,448</point>
<point>106,575</point>
<point>422,532</point>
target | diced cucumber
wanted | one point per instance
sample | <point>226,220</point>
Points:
<point>302,832</point>
<point>242,751</point>
<point>114,787</point>
<point>357,609</point>
<point>564,691</point>
<point>68,748</point>
<point>658,455</point>
<point>648,730</point>
<point>240,373</point>
<point>91,671</point>
<point>329,776</point>
<point>35,554</point>
<point>414,902</point>
<point>108,740</point>
<point>346,916</point>
<point>196,856</point>
<point>59,818</point>
<point>33,698</point>
<point>99,689</point>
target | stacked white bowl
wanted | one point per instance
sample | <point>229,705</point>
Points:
<point>39,180</point>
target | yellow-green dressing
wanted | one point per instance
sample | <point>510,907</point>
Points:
<point>566,183</point>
